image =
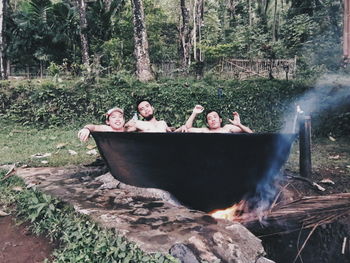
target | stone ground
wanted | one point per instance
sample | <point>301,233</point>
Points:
<point>150,218</point>
<point>323,246</point>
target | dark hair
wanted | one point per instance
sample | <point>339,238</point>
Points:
<point>210,111</point>
<point>141,100</point>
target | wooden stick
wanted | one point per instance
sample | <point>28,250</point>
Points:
<point>343,247</point>
<point>303,246</point>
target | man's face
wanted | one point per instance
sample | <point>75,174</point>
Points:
<point>214,121</point>
<point>145,109</point>
<point>116,120</point>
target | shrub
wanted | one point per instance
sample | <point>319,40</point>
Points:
<point>261,103</point>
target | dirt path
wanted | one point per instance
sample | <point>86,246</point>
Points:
<point>18,245</point>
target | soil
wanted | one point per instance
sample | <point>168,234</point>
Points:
<point>325,243</point>
<point>19,245</point>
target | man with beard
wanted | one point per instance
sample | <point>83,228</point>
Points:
<point>214,123</point>
<point>150,124</point>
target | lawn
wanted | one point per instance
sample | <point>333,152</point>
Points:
<point>60,146</point>
<point>43,147</point>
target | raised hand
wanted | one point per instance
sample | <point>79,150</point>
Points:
<point>236,120</point>
<point>198,109</point>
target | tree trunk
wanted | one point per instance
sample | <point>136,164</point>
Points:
<point>185,35</point>
<point>143,65</point>
<point>197,28</point>
<point>83,36</point>
<point>3,64</point>
<point>274,37</point>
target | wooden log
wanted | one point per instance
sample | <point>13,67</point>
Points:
<point>302,213</point>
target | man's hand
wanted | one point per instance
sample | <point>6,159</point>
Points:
<point>84,134</point>
<point>236,120</point>
<point>198,109</point>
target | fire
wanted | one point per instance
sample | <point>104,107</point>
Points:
<point>233,213</point>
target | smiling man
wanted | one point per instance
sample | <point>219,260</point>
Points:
<point>150,123</point>
<point>114,123</point>
<point>214,123</point>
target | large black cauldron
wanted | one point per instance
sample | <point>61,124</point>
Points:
<point>203,171</point>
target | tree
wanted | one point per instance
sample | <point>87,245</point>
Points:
<point>143,65</point>
<point>185,35</point>
<point>83,36</point>
<point>3,72</point>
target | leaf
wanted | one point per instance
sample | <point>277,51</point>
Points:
<point>71,152</point>
<point>90,146</point>
<point>331,138</point>
<point>2,213</point>
<point>92,152</point>
<point>61,145</point>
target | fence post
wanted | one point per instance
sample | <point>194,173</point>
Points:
<point>305,146</point>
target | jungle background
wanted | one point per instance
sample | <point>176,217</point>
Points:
<point>64,63</point>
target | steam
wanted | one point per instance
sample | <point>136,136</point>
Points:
<point>329,93</point>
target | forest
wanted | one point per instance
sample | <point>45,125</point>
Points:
<point>148,37</point>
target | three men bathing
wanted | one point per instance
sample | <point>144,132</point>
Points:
<point>115,122</point>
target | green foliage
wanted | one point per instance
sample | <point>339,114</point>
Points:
<point>261,103</point>
<point>81,239</point>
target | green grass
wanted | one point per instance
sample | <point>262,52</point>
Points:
<point>326,156</point>
<point>19,143</point>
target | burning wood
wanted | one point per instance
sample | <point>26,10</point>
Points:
<point>305,212</point>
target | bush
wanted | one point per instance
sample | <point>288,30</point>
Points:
<point>261,103</point>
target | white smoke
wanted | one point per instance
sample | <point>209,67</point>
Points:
<point>330,92</point>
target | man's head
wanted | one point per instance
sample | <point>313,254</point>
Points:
<point>213,120</point>
<point>145,109</point>
<point>115,118</point>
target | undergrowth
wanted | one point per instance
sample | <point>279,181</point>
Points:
<point>80,239</point>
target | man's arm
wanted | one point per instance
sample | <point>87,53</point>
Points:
<point>131,126</point>
<point>84,133</point>
<point>196,110</point>
<point>238,126</point>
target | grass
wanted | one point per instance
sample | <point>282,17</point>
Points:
<point>19,144</point>
<point>327,154</point>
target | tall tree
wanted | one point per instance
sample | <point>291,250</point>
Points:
<point>143,65</point>
<point>83,36</point>
<point>198,13</point>
<point>3,71</point>
<point>185,35</point>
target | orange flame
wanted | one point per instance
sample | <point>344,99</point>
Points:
<point>233,213</point>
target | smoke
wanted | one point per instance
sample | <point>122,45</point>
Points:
<point>330,93</point>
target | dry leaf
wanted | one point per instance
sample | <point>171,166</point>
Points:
<point>92,152</point>
<point>332,138</point>
<point>17,188</point>
<point>90,146</point>
<point>41,155</point>
<point>319,187</point>
<point>61,145</point>
<point>2,213</point>
<point>327,181</point>
<point>71,152</point>
<point>334,157</point>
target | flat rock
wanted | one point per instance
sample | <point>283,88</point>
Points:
<point>149,217</point>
